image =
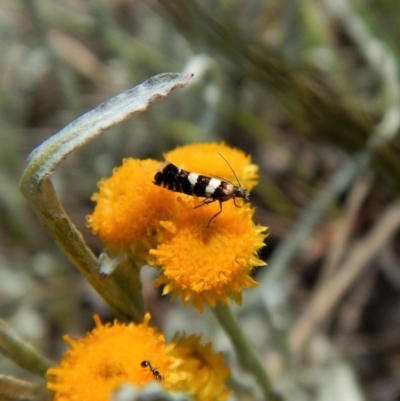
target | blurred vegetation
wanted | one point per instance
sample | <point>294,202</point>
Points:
<point>309,88</point>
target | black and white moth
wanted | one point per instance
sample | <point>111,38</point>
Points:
<point>213,189</point>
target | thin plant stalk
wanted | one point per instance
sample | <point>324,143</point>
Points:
<point>245,351</point>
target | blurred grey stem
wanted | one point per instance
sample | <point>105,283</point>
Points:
<point>245,351</point>
<point>13,389</point>
<point>38,189</point>
<point>285,252</point>
<point>382,58</point>
<point>23,354</point>
<point>272,277</point>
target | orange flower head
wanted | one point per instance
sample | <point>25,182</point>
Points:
<point>202,371</point>
<point>129,206</point>
<point>108,357</point>
<point>208,264</point>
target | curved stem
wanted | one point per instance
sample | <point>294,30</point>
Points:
<point>122,289</point>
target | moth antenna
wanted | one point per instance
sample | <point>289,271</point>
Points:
<point>240,185</point>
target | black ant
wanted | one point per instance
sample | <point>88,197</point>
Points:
<point>154,371</point>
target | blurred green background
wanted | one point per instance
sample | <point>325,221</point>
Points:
<point>310,89</point>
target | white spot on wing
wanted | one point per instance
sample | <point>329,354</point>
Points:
<point>192,177</point>
<point>212,186</point>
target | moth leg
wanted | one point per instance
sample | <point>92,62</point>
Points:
<point>234,202</point>
<point>205,202</point>
<point>215,215</point>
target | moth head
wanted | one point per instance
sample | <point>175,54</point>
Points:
<point>242,193</point>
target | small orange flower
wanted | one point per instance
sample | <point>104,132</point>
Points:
<point>203,369</point>
<point>109,356</point>
<point>206,265</point>
<point>112,355</point>
<point>129,206</point>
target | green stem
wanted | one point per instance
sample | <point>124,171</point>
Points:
<point>246,353</point>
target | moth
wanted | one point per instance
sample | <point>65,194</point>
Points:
<point>213,189</point>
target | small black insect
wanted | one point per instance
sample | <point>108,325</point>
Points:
<point>213,189</point>
<point>156,374</point>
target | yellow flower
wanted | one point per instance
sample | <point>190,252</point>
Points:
<point>112,355</point>
<point>129,206</point>
<point>208,264</point>
<point>201,262</point>
<point>199,366</point>
<point>107,357</point>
